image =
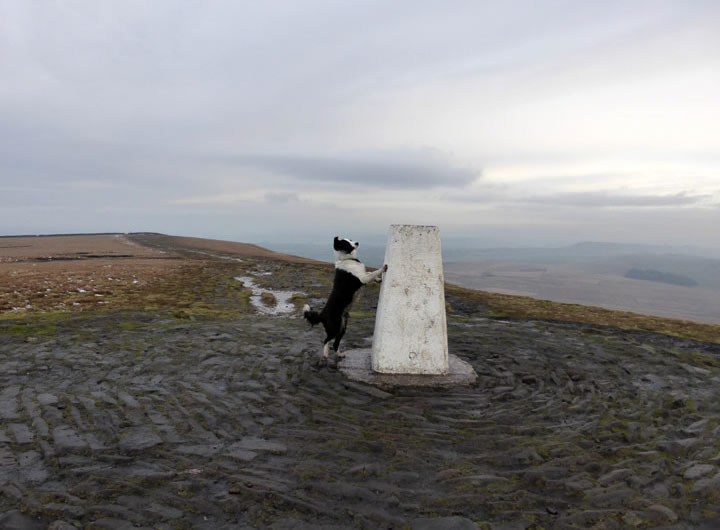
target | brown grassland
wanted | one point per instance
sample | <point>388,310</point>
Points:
<point>101,272</point>
<point>190,276</point>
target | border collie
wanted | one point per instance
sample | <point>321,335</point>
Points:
<point>350,275</point>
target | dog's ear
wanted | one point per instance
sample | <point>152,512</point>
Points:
<point>335,242</point>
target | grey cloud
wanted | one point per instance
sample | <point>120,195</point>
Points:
<point>601,199</point>
<point>591,199</point>
<point>281,197</point>
<point>411,170</point>
<point>487,193</point>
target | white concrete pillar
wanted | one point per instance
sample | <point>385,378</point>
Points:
<point>410,324</point>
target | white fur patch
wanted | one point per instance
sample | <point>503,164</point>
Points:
<point>358,270</point>
<point>355,268</point>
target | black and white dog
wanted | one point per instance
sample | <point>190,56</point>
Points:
<point>350,275</point>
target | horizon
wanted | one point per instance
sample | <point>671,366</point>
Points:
<point>375,239</point>
<point>510,124</point>
<point>455,249</point>
<point>665,281</point>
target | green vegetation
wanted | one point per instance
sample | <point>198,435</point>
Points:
<point>268,299</point>
<point>130,325</point>
<point>29,329</point>
<point>298,300</point>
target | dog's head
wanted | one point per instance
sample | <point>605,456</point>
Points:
<point>345,248</point>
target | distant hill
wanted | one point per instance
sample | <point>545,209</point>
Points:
<point>662,277</point>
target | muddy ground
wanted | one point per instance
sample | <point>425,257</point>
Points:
<point>162,418</point>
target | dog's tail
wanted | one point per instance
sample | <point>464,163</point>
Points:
<point>311,316</point>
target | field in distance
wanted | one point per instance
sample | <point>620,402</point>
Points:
<point>583,284</point>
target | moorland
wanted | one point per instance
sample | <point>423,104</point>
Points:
<point>158,382</point>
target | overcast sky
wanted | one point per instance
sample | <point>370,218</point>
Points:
<point>515,122</point>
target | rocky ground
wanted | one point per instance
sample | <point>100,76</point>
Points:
<point>154,419</point>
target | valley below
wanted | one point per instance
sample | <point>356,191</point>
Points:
<point>584,285</point>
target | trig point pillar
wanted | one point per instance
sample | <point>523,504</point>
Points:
<point>410,343</point>
<point>410,324</point>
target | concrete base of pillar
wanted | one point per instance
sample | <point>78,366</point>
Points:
<point>357,366</point>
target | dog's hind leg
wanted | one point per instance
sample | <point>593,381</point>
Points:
<point>340,335</point>
<point>323,361</point>
<point>333,328</point>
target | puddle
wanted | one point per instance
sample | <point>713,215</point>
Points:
<point>226,258</point>
<point>283,305</point>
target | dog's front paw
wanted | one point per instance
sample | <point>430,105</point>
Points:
<point>382,271</point>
